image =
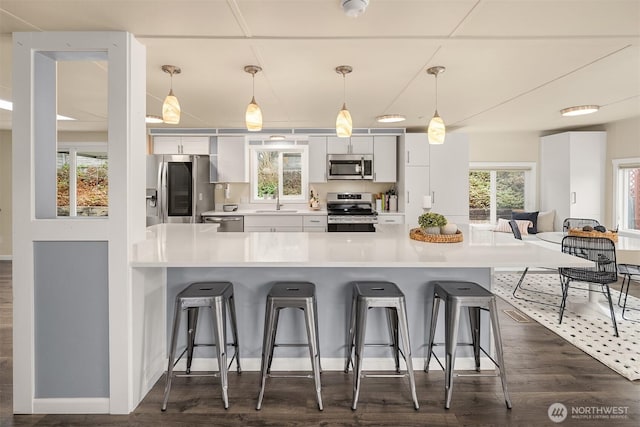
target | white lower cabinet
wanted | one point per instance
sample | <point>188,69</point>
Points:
<point>314,223</point>
<point>278,222</point>
<point>390,219</point>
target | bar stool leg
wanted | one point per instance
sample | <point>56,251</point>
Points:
<point>172,354</point>
<point>432,331</point>
<point>352,330</point>
<point>361,323</point>
<point>315,310</point>
<point>392,323</point>
<point>403,322</point>
<point>493,311</point>
<point>474,320</point>
<point>192,324</point>
<point>312,338</point>
<point>451,321</point>
<point>273,338</point>
<point>234,331</point>
<point>266,348</point>
<point>219,334</point>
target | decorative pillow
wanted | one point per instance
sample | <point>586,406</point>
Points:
<point>527,216</point>
<point>504,227</point>
<point>545,221</point>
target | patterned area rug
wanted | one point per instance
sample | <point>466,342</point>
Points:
<point>590,331</point>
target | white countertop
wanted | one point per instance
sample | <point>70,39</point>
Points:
<point>283,211</point>
<point>199,245</point>
<point>267,210</point>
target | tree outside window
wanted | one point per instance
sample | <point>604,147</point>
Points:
<point>495,193</point>
<point>86,192</point>
<point>279,172</point>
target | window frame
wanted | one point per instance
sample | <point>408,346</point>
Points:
<point>618,167</point>
<point>281,149</point>
<point>530,182</point>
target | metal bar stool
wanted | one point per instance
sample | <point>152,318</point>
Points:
<point>458,294</point>
<point>301,295</point>
<point>217,296</point>
<point>629,272</point>
<point>387,295</point>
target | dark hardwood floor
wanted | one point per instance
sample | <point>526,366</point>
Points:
<point>542,368</point>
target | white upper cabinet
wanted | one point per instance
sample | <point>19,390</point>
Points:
<point>229,159</point>
<point>180,144</point>
<point>450,178</point>
<point>317,159</point>
<point>416,149</point>
<point>572,175</point>
<point>353,145</point>
<point>384,158</point>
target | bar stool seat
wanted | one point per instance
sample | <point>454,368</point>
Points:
<point>217,296</point>
<point>300,295</point>
<point>378,294</point>
<point>458,294</point>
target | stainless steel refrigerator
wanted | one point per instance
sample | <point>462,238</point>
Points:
<point>178,188</point>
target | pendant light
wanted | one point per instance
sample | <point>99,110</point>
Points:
<point>344,125</point>
<point>171,106</point>
<point>436,130</point>
<point>253,116</point>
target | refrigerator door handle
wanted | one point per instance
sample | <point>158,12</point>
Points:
<point>195,189</point>
<point>162,195</point>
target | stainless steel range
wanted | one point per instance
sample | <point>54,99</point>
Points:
<point>351,212</point>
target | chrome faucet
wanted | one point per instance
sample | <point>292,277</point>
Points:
<point>278,205</point>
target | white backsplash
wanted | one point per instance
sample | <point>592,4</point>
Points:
<point>239,193</point>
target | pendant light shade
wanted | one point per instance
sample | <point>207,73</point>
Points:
<point>344,124</point>
<point>436,130</point>
<point>171,106</point>
<point>253,115</point>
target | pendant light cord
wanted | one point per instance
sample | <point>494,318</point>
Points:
<point>436,93</point>
<point>344,89</point>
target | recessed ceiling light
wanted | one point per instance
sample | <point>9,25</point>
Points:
<point>276,138</point>
<point>391,118</point>
<point>153,119</point>
<point>579,110</point>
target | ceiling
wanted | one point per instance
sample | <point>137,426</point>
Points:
<point>511,65</point>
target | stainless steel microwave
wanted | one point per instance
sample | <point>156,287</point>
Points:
<point>350,166</point>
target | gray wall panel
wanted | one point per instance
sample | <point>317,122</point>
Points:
<point>71,319</point>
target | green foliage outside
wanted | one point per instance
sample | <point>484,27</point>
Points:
<point>268,166</point>
<point>92,184</point>
<point>509,190</point>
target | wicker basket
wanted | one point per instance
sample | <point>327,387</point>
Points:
<point>419,234</point>
<point>607,234</point>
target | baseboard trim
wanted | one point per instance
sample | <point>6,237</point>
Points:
<point>71,405</point>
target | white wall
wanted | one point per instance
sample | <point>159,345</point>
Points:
<point>623,141</point>
<point>504,147</point>
<point>5,194</point>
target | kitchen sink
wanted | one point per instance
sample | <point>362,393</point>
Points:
<point>276,211</point>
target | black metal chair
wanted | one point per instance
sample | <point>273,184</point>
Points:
<point>516,233</point>
<point>602,252</point>
<point>629,273</point>
<point>578,223</point>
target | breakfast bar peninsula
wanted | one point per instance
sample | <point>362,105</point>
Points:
<point>174,255</point>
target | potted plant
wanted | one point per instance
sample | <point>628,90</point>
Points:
<point>431,222</point>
